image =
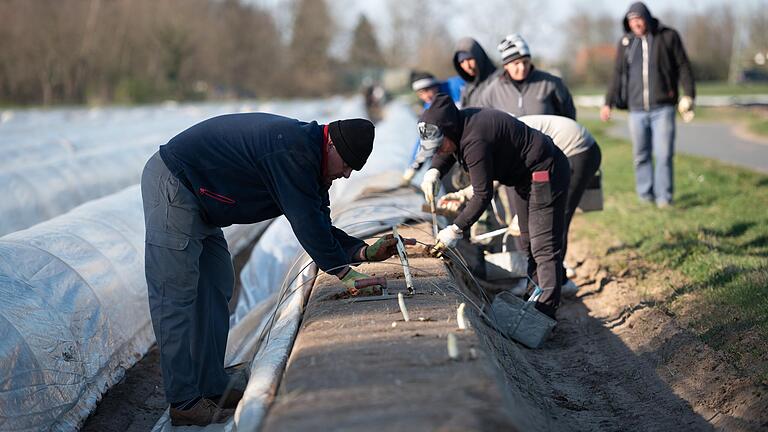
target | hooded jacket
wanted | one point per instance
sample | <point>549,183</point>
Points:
<point>671,66</point>
<point>485,69</point>
<point>453,86</point>
<point>246,168</point>
<point>492,146</point>
<point>539,93</point>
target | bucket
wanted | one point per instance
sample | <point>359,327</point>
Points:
<point>520,320</point>
<point>592,199</point>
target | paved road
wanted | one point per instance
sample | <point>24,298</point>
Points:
<point>712,140</point>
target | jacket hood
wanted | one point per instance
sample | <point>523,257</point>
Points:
<point>485,66</point>
<point>641,9</point>
<point>444,114</point>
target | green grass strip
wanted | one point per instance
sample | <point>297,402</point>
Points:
<point>716,235</point>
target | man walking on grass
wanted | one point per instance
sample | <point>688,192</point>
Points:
<point>650,65</point>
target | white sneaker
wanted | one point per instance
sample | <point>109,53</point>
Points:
<point>568,289</point>
<point>569,271</point>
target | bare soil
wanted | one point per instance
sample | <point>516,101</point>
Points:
<point>620,361</point>
<point>624,309</point>
<point>134,404</point>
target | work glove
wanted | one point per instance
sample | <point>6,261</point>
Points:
<point>385,247</point>
<point>431,184</point>
<point>685,108</point>
<point>452,201</point>
<point>449,236</point>
<point>349,283</point>
<point>407,177</point>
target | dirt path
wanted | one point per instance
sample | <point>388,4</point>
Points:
<point>135,404</point>
<point>643,355</point>
<point>618,361</point>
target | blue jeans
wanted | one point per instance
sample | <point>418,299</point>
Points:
<point>653,142</point>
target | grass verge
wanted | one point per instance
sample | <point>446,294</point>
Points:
<point>715,236</point>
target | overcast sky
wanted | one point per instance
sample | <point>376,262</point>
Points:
<point>484,19</point>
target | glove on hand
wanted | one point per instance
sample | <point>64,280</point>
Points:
<point>452,201</point>
<point>385,247</point>
<point>407,177</point>
<point>449,235</point>
<point>685,108</point>
<point>431,184</point>
<point>349,281</point>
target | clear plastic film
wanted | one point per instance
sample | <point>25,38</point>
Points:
<point>73,299</point>
<point>55,160</point>
<point>73,312</point>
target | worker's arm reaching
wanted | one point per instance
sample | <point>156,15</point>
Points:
<point>304,201</point>
<point>384,248</point>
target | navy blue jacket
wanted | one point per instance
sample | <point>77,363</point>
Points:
<point>246,168</point>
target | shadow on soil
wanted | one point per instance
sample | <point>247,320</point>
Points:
<point>586,378</point>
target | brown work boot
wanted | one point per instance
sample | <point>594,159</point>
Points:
<point>230,399</point>
<point>203,413</point>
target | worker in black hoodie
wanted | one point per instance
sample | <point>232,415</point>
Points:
<point>236,169</point>
<point>475,67</point>
<point>494,146</point>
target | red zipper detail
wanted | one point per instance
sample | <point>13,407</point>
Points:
<point>217,197</point>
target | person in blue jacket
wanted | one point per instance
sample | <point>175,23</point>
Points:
<point>427,87</point>
<point>236,169</point>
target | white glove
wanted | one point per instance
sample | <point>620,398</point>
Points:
<point>685,108</point>
<point>452,201</point>
<point>431,184</point>
<point>449,235</point>
<point>408,176</point>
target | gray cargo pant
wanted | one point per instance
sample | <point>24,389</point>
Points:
<point>190,280</point>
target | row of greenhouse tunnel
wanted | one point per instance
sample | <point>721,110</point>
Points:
<point>73,298</point>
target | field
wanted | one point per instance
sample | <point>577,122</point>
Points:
<point>715,239</point>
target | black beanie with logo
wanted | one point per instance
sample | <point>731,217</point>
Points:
<point>353,139</point>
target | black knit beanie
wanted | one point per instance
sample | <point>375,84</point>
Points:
<point>353,139</point>
<point>444,114</point>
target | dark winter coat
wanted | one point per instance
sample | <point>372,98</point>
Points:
<point>246,168</point>
<point>671,66</point>
<point>485,69</point>
<point>492,146</point>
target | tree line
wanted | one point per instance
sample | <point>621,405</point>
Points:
<point>135,51</point>
<point>139,51</point>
